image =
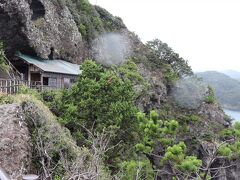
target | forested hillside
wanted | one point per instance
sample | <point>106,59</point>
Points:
<point>233,74</point>
<point>227,89</point>
<point>128,119</point>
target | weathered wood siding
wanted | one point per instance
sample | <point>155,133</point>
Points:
<point>61,79</point>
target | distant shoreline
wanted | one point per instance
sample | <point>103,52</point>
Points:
<point>233,114</point>
<point>231,108</point>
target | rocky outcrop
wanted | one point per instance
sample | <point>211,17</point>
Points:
<point>213,114</point>
<point>15,149</point>
<point>33,142</point>
<point>157,92</point>
<point>54,29</point>
<point>40,28</point>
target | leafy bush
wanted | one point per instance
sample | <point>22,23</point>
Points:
<point>163,56</point>
<point>158,134</point>
<point>26,90</point>
<point>6,99</point>
<point>192,118</point>
<point>210,98</point>
<point>110,22</point>
<point>83,30</point>
<point>176,154</point>
<point>100,100</point>
<point>155,130</point>
<point>225,151</point>
<point>190,164</point>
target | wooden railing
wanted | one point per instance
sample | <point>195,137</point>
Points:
<point>12,86</point>
<point>12,72</point>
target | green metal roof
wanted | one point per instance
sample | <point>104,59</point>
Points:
<point>55,66</point>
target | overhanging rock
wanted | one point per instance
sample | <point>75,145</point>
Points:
<point>40,27</point>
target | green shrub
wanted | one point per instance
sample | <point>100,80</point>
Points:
<point>26,90</point>
<point>100,100</point>
<point>225,151</point>
<point>6,99</point>
<point>166,59</point>
<point>154,130</point>
<point>83,30</point>
<point>210,98</point>
<point>192,118</point>
<point>140,170</point>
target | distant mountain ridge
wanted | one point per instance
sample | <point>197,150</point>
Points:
<point>226,88</point>
<point>232,73</point>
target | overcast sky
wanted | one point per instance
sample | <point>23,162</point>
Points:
<point>205,32</point>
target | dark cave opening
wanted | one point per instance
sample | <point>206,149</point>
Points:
<point>38,9</point>
<point>51,54</point>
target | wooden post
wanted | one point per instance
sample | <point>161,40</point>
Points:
<point>17,84</point>
<point>10,86</point>
<point>7,86</point>
<point>1,86</point>
<point>41,74</point>
<point>29,74</point>
<point>22,76</point>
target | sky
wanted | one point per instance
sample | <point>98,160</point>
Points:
<point>204,32</point>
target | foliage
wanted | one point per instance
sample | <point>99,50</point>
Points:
<point>83,30</point>
<point>140,170</point>
<point>91,20</point>
<point>155,131</point>
<point>52,99</point>
<point>225,150</point>
<point>55,153</point>
<point>230,149</point>
<point>26,90</point>
<point>176,155</point>
<point>102,99</point>
<point>110,22</point>
<point>226,88</point>
<point>3,65</point>
<point>165,58</point>
<point>5,99</point>
<point>210,98</point>
<point>130,71</point>
<point>85,16</point>
<point>192,118</point>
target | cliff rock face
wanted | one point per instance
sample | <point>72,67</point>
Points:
<point>15,149</point>
<point>213,114</point>
<point>40,28</point>
<point>157,93</point>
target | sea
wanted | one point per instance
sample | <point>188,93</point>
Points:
<point>233,114</point>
